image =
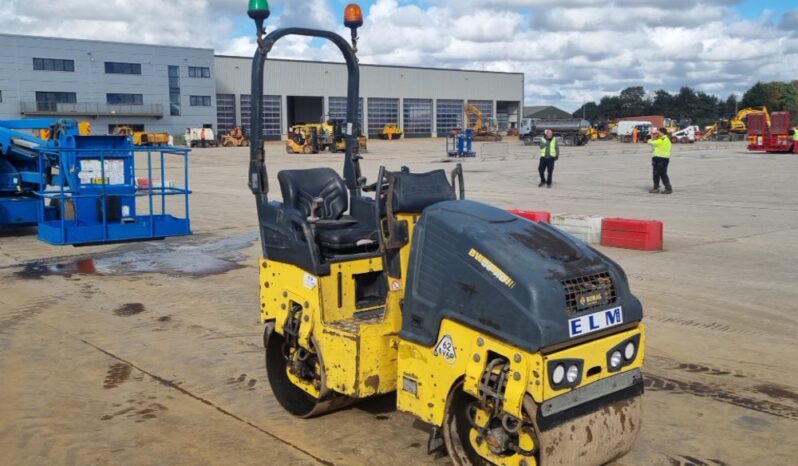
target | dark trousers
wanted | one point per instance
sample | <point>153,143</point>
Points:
<point>546,167</point>
<point>660,165</point>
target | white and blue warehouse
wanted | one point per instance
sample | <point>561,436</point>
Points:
<point>168,89</point>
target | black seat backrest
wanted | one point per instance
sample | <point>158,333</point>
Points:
<point>413,192</point>
<point>299,187</point>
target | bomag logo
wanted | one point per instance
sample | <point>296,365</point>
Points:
<point>492,268</point>
<point>591,299</point>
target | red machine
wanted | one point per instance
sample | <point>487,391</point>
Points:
<point>775,138</point>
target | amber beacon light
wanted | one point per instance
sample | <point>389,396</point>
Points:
<point>353,16</point>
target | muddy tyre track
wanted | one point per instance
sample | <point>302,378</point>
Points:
<point>656,383</point>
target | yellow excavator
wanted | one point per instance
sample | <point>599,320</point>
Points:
<point>734,126</point>
<point>517,343</point>
<point>481,131</point>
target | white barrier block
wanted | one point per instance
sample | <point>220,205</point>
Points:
<point>585,227</point>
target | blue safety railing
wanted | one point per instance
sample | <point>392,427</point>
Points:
<point>73,218</point>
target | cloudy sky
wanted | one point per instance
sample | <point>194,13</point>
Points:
<point>571,51</point>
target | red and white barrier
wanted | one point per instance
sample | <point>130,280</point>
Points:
<point>614,232</point>
<point>645,235</point>
<point>585,227</point>
<point>533,215</point>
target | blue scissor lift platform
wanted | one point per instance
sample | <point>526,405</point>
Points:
<point>83,189</point>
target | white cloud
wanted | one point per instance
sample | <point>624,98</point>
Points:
<point>570,50</point>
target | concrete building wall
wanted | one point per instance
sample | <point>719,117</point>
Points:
<point>392,93</point>
<point>19,82</point>
<point>302,78</point>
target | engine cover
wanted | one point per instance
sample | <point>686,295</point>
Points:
<point>526,283</point>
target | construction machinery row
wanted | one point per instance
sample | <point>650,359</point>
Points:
<point>734,129</point>
<point>518,344</point>
<point>312,138</point>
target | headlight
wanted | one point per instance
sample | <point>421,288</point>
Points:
<point>623,354</point>
<point>564,373</point>
<point>558,374</point>
<point>629,351</point>
<point>572,374</point>
<point>615,359</point>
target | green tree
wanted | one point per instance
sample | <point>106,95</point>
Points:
<point>664,104</point>
<point>588,111</point>
<point>756,96</point>
<point>728,108</point>
<point>632,101</point>
<point>777,96</point>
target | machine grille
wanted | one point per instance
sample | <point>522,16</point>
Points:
<point>588,292</point>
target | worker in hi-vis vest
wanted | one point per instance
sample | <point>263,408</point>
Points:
<point>660,159</point>
<point>794,133</point>
<point>549,152</point>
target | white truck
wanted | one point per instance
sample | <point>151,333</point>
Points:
<point>625,128</point>
<point>202,137</point>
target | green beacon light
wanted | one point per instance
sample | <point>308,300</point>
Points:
<point>259,11</point>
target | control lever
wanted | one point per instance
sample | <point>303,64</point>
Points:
<point>313,218</point>
<point>457,175</point>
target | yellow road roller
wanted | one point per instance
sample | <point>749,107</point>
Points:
<point>518,344</point>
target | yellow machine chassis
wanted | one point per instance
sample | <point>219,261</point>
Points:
<point>435,375</point>
<point>362,357</point>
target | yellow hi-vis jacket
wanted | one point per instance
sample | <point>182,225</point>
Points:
<point>795,134</point>
<point>549,148</point>
<point>662,146</point>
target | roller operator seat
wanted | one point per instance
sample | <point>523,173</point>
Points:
<point>335,232</point>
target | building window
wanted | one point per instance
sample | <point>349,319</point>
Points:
<point>381,112</point>
<point>449,116</point>
<point>47,101</point>
<point>226,112</point>
<point>200,100</point>
<point>124,99</point>
<point>199,72</point>
<point>174,90</point>
<point>337,111</point>
<point>122,68</point>
<point>53,64</point>
<point>418,117</point>
<point>271,115</point>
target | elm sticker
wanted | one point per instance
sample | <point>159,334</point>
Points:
<point>445,347</point>
<point>594,322</point>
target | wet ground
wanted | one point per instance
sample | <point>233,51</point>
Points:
<point>151,353</point>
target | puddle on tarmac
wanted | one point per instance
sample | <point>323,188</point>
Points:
<point>173,257</point>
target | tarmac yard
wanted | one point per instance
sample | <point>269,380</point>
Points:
<point>151,353</point>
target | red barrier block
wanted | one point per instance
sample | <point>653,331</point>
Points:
<point>628,233</point>
<point>533,215</point>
